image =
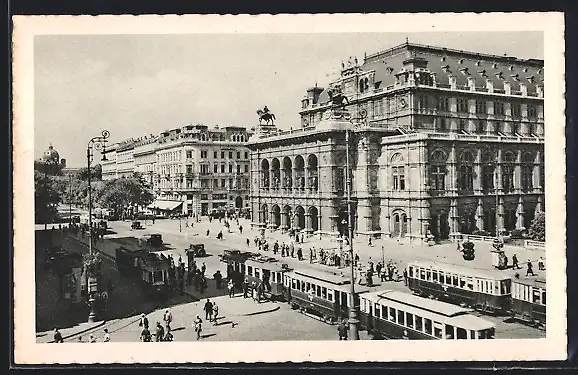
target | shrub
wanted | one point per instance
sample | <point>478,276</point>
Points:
<point>537,230</point>
<point>481,233</point>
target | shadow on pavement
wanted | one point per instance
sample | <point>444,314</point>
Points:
<point>208,335</point>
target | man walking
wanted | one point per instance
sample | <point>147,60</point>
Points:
<point>515,264</point>
<point>168,318</point>
<point>342,330</point>
<point>197,325</point>
<point>208,310</point>
<point>215,313</point>
<point>245,287</point>
<point>159,333</point>
<point>231,287</point>
<point>529,271</point>
<point>58,336</point>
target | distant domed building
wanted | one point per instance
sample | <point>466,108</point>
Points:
<point>50,162</point>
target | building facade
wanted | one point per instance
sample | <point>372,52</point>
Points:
<point>193,169</point>
<point>441,142</point>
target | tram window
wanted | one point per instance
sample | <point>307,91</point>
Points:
<point>376,311</point>
<point>496,288</point>
<point>307,287</point>
<point>448,279</point>
<point>422,274</point>
<point>536,295</point>
<point>303,286</point>
<point>462,282</point>
<point>419,323</point>
<point>318,291</point>
<point>257,273</point>
<point>462,334</point>
<point>438,330</point>
<point>243,269</point>
<point>330,295</point>
<point>249,270</point>
<point>503,288</point>
<point>428,275</point>
<point>409,320</point>
<point>324,292</point>
<point>383,312</point>
<point>410,271</point>
<point>298,285</point>
<point>449,332</point>
<point>428,326</point>
<point>455,279</point>
<point>293,284</point>
<point>434,275</point>
<point>544,297</point>
<point>392,314</point>
<point>400,317</point>
<point>472,335</point>
<point>470,283</point>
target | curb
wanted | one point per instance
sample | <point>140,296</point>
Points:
<point>262,312</point>
<point>80,332</point>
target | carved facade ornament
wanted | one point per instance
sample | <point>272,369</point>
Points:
<point>397,158</point>
<point>439,156</point>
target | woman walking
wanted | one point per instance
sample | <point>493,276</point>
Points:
<point>197,325</point>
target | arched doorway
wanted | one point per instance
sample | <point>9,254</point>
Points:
<point>239,202</point>
<point>399,224</point>
<point>300,173</point>
<point>312,172</point>
<point>275,173</point>
<point>276,219</point>
<point>299,218</point>
<point>287,173</point>
<point>313,219</point>
<point>265,173</point>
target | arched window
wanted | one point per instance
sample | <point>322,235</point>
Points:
<point>438,170</point>
<point>398,172</point>
<point>466,181</point>
<point>488,171</point>
<point>509,160</point>
<point>527,171</point>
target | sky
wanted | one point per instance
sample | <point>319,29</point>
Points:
<point>135,85</point>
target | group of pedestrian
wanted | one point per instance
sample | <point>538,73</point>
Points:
<point>529,265</point>
<point>161,333</point>
<point>58,339</point>
<point>211,311</point>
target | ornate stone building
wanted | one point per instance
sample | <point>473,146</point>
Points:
<point>442,142</point>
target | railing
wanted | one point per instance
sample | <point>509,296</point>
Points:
<point>529,244</point>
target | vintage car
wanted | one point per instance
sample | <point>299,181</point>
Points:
<point>196,250</point>
<point>136,225</point>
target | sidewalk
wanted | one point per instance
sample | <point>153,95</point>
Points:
<point>48,336</point>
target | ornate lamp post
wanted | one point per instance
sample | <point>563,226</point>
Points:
<point>98,143</point>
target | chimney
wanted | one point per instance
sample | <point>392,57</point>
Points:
<point>472,83</point>
<point>508,87</point>
<point>490,85</point>
<point>523,89</point>
<point>453,82</point>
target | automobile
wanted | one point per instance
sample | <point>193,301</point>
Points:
<point>197,250</point>
<point>153,240</point>
<point>136,225</point>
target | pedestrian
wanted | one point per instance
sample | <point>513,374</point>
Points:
<point>292,251</point>
<point>405,281</point>
<point>215,313</point>
<point>529,270</point>
<point>248,243</point>
<point>342,330</point>
<point>91,338</point>
<point>197,325</point>
<point>231,287</point>
<point>299,253</point>
<point>168,319</point>
<point>240,228</point>
<point>459,246</point>
<point>218,277</point>
<point>106,336</point>
<point>58,336</point>
<point>159,333</point>
<point>245,287</point>
<point>515,264</point>
<point>541,266</point>
<point>369,242</point>
<point>203,269</point>
<point>144,322</point>
<point>202,284</point>
<point>208,310</point>
<point>208,232</point>
<point>356,259</point>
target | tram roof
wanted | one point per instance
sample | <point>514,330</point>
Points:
<point>268,265</point>
<point>323,276</point>
<point>537,282</point>
<point>471,322</point>
<point>466,271</point>
<point>407,299</point>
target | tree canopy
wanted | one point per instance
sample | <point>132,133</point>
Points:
<point>119,194</point>
<point>537,230</point>
<point>46,198</point>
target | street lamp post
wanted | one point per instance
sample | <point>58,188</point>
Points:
<point>98,143</point>
<point>353,320</point>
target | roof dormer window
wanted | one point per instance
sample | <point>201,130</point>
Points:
<point>461,61</point>
<point>515,77</point>
<point>389,70</point>
<point>495,66</point>
<point>530,79</point>
<point>482,73</point>
<point>525,70</point>
<point>443,58</point>
<point>539,71</point>
<point>499,75</point>
<point>465,71</point>
<point>446,69</point>
<point>478,63</point>
<point>511,67</point>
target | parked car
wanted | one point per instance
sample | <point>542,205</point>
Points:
<point>198,250</point>
<point>136,225</point>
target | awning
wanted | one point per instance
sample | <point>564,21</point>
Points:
<point>165,205</point>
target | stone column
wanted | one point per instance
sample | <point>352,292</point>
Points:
<point>499,186</point>
<point>308,222</point>
<point>518,173</point>
<point>452,169</point>
<point>536,183</point>
<point>478,172</point>
<point>500,215</point>
<point>480,215</point>
<point>454,217</point>
<point>520,214</point>
<point>384,218</point>
<point>364,216</point>
<point>538,208</point>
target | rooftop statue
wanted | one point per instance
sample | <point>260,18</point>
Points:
<point>265,115</point>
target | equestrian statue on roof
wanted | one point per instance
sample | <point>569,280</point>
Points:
<point>337,98</point>
<point>265,115</point>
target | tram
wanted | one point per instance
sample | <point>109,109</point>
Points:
<point>151,269</point>
<point>398,315</point>
<point>239,265</point>
<point>529,301</point>
<point>321,294</point>
<point>485,291</point>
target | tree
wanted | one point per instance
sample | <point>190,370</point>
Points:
<point>95,173</point>
<point>46,198</point>
<point>122,193</point>
<point>537,230</point>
